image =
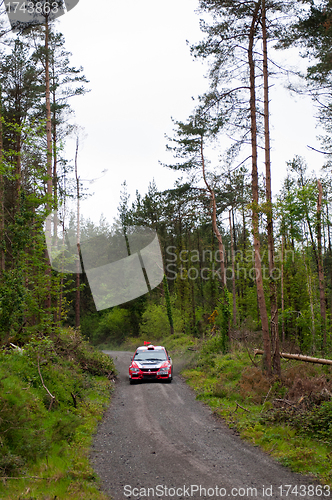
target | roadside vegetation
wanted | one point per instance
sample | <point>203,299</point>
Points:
<point>289,417</point>
<point>235,259</point>
<point>52,394</point>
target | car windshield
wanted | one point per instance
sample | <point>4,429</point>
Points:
<point>152,355</point>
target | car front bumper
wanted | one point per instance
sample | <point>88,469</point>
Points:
<point>150,375</point>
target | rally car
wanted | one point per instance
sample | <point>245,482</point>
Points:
<point>151,362</point>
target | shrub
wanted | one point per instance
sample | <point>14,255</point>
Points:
<point>70,344</point>
<point>114,327</point>
<point>155,323</point>
<point>21,414</point>
<point>29,426</point>
<point>255,384</point>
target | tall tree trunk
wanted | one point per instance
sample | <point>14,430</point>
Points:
<point>2,196</point>
<point>244,228</point>
<point>233,267</point>
<point>214,220</point>
<point>18,173</point>
<point>320,263</point>
<point>55,166</point>
<point>272,284</point>
<point>48,117</point>
<point>330,251</point>
<point>168,304</point>
<point>255,207</point>
<point>192,289</point>
<point>49,154</point>
<point>312,312</point>
<point>282,288</point>
<point>78,293</point>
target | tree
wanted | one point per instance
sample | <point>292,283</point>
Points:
<point>269,212</point>
<point>237,27</point>
<point>26,185</point>
<point>322,298</point>
<point>189,145</point>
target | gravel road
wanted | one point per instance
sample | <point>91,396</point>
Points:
<point>157,442</point>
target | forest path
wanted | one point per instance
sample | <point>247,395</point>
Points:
<point>157,441</point>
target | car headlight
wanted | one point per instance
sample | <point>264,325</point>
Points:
<point>164,370</point>
<point>134,370</point>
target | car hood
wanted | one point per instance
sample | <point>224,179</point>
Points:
<point>148,364</point>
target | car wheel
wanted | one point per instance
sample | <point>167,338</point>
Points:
<point>132,382</point>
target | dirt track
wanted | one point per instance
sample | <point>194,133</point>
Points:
<point>157,442</point>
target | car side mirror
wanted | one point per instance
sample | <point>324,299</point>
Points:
<point>169,357</point>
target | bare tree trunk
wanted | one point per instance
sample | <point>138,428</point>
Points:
<point>214,221</point>
<point>49,154</point>
<point>255,208</point>
<point>233,267</point>
<point>320,263</point>
<point>299,357</point>
<point>330,250</point>
<point>312,312</point>
<point>78,293</point>
<point>60,301</point>
<point>272,284</point>
<point>18,173</point>
<point>282,288</point>
<point>2,196</point>
<point>55,166</point>
<point>48,117</point>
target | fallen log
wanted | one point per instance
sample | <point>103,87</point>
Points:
<point>299,357</point>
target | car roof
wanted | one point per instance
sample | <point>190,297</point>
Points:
<point>151,348</point>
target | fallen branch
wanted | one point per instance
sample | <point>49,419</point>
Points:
<point>24,477</point>
<point>267,395</point>
<point>285,401</point>
<point>253,362</point>
<point>239,406</point>
<point>299,357</point>
<point>48,392</point>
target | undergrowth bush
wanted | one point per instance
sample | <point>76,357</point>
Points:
<point>71,346</point>
<point>154,324</point>
<point>113,327</point>
<point>213,345</point>
<point>43,390</point>
<point>288,416</point>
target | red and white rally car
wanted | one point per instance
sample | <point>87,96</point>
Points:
<point>151,362</point>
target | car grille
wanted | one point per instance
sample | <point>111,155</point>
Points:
<point>149,375</point>
<point>151,370</point>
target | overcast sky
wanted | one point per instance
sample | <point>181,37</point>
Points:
<point>141,74</point>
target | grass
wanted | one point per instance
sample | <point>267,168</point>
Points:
<point>241,395</point>
<point>66,472</point>
<point>44,452</point>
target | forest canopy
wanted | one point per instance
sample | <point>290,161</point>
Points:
<point>236,256</point>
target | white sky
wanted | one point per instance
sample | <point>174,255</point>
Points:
<point>141,74</point>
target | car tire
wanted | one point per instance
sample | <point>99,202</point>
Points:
<point>132,382</point>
